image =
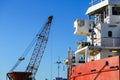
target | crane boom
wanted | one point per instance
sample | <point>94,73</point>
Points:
<point>42,39</point>
<point>40,42</point>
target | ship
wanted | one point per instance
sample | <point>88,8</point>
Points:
<point>97,58</point>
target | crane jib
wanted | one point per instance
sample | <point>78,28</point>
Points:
<point>40,45</point>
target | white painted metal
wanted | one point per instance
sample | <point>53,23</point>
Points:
<point>106,31</point>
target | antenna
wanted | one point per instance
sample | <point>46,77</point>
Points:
<point>58,62</point>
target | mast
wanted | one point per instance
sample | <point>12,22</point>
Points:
<point>58,62</point>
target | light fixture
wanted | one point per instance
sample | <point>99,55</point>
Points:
<point>114,51</point>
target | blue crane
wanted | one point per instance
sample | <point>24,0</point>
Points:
<point>40,42</point>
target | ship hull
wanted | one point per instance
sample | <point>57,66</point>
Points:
<point>104,69</point>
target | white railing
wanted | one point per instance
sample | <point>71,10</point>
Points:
<point>105,42</point>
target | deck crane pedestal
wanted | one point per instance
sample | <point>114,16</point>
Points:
<point>40,45</point>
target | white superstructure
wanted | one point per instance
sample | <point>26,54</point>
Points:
<point>102,30</point>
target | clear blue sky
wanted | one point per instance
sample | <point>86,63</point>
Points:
<point>20,20</point>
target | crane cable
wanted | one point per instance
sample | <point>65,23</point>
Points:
<point>24,54</point>
<point>51,51</point>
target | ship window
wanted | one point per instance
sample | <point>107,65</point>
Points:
<point>116,10</point>
<point>106,12</point>
<point>82,22</point>
<point>109,33</point>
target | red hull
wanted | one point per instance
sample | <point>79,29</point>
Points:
<point>104,69</point>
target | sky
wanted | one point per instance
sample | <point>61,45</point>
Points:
<point>20,21</point>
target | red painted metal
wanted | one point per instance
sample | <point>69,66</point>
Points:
<point>104,69</point>
<point>19,75</point>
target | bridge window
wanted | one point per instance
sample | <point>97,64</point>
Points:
<point>106,12</point>
<point>109,33</point>
<point>116,10</point>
